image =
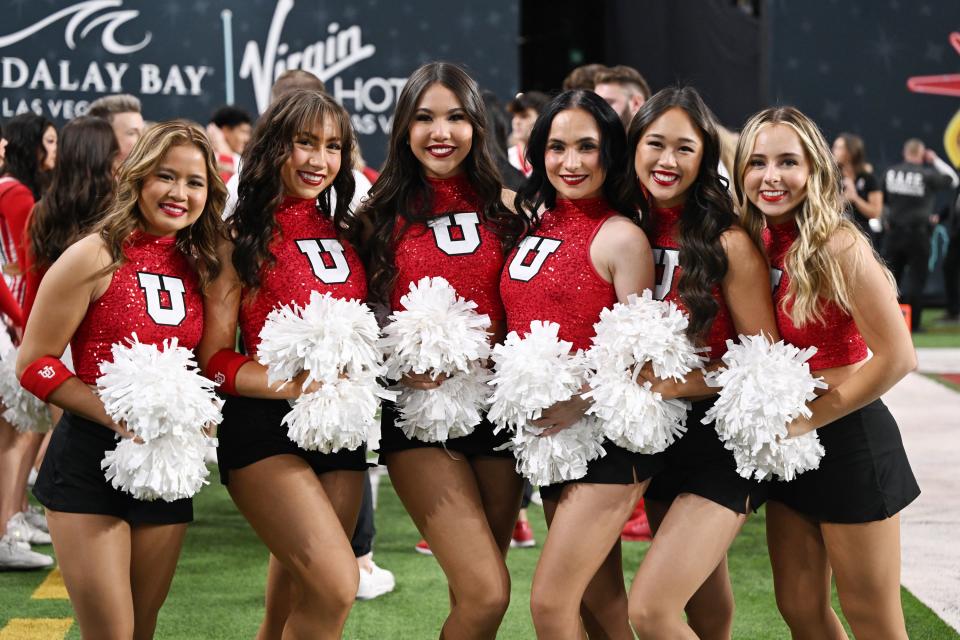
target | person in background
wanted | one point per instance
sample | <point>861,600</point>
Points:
<point>510,174</point>
<point>229,129</point>
<point>524,109</point>
<point>861,189</point>
<point>624,89</point>
<point>910,187</point>
<point>583,77</point>
<point>123,113</point>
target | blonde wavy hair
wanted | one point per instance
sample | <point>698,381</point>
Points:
<point>199,240</point>
<point>816,275</point>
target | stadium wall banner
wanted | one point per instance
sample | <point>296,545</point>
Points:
<point>187,58</point>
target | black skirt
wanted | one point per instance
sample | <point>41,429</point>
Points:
<point>698,463</point>
<point>481,442</point>
<point>71,480</point>
<point>619,466</point>
<point>864,475</point>
<point>252,431</point>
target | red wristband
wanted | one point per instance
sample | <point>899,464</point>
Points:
<point>44,375</point>
<point>222,369</point>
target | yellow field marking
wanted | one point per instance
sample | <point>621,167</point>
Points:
<point>51,588</point>
<point>36,629</point>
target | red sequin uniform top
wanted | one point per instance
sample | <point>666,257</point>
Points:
<point>155,293</point>
<point>550,276</point>
<point>309,257</point>
<point>666,256</point>
<point>454,244</point>
<point>837,338</point>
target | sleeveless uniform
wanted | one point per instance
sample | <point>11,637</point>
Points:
<point>697,462</point>
<point>550,277</point>
<point>309,257</point>
<point>864,475</point>
<point>457,245</point>
<point>155,294</point>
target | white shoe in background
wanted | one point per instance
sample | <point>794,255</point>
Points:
<point>13,557</point>
<point>23,531</point>
<point>32,478</point>
<point>375,582</point>
<point>36,518</point>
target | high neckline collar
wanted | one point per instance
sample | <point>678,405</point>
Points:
<point>586,206</point>
<point>292,204</point>
<point>140,238</point>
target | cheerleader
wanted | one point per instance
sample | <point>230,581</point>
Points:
<point>706,264</point>
<point>584,253</point>
<point>831,292</point>
<point>117,554</point>
<point>436,210</point>
<point>284,243</point>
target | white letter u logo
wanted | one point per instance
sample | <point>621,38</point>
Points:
<point>172,313</point>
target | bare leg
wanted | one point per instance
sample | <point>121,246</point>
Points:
<point>339,486</point>
<point>866,560</point>
<point>441,492</point>
<point>584,525</point>
<point>93,552</point>
<point>690,542</point>
<point>289,508</point>
<point>500,491</point>
<point>801,575</point>
<point>155,550</point>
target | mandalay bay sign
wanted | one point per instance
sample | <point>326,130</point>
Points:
<point>187,58</point>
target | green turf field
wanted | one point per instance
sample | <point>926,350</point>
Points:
<point>218,589</point>
<point>936,334</point>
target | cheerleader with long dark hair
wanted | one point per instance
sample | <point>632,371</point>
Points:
<point>710,268</point>
<point>583,254</point>
<point>302,504</point>
<point>436,210</point>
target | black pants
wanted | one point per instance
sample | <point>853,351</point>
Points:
<point>910,249</point>
<point>951,275</point>
<point>362,541</point>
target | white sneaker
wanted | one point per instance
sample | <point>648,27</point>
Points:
<point>20,529</point>
<point>14,557</point>
<point>36,518</point>
<point>375,582</point>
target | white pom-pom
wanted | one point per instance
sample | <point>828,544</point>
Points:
<point>161,397</point>
<point>627,337</point>
<point>563,456</point>
<point>24,411</point>
<point>532,374</point>
<point>765,387</point>
<point>431,416</point>
<point>156,392</point>
<point>328,337</point>
<point>632,415</point>
<point>439,332</point>
<point>339,415</point>
<point>169,468</point>
<point>335,342</point>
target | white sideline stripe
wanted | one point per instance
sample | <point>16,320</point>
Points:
<point>927,413</point>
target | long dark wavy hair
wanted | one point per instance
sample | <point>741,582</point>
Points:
<point>402,193</point>
<point>198,241</point>
<point>25,151</point>
<point>80,190</point>
<point>254,224</point>
<point>537,192</point>
<point>707,212</point>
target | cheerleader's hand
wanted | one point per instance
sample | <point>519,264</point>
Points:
<point>668,388</point>
<point>799,427</point>
<point>562,415</point>
<point>121,429</point>
<point>423,381</point>
<point>298,386</point>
